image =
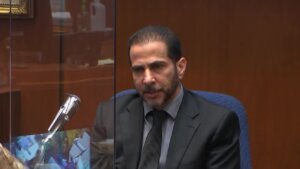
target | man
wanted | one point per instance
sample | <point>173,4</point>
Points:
<point>195,133</point>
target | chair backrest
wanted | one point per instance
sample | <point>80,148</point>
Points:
<point>230,103</point>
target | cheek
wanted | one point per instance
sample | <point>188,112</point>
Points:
<point>172,73</point>
<point>136,81</point>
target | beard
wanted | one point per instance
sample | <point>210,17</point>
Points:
<point>167,92</point>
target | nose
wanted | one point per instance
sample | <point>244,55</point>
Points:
<point>148,77</point>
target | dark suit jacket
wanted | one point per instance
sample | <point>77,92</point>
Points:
<point>205,135</point>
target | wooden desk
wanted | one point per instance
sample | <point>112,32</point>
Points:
<point>40,87</point>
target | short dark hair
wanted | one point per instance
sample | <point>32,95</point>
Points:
<point>158,33</point>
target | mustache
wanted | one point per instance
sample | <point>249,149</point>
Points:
<point>150,88</point>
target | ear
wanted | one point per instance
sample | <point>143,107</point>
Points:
<point>181,67</point>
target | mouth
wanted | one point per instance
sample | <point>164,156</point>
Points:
<point>151,95</point>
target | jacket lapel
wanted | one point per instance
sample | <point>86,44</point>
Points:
<point>131,122</point>
<point>186,123</point>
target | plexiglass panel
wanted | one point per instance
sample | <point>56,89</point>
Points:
<point>66,47</point>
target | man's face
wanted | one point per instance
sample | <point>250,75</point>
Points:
<point>155,76</point>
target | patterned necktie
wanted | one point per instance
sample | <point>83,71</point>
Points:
<point>151,150</point>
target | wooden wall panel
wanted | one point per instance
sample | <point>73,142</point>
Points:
<point>249,49</point>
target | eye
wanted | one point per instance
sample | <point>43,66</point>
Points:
<point>137,69</point>
<point>157,66</point>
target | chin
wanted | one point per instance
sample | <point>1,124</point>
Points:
<point>154,104</point>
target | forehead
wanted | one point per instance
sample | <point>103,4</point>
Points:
<point>148,51</point>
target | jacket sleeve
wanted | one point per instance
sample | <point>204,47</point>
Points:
<point>102,138</point>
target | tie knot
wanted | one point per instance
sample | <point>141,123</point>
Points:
<point>158,117</point>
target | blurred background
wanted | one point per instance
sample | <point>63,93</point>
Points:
<point>56,48</point>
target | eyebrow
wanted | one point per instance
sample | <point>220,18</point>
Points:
<point>150,64</point>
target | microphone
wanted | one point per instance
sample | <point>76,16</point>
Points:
<point>65,113</point>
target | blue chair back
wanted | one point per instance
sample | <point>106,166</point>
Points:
<point>230,103</point>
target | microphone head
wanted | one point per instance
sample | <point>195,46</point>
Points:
<point>65,113</point>
<point>70,106</point>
